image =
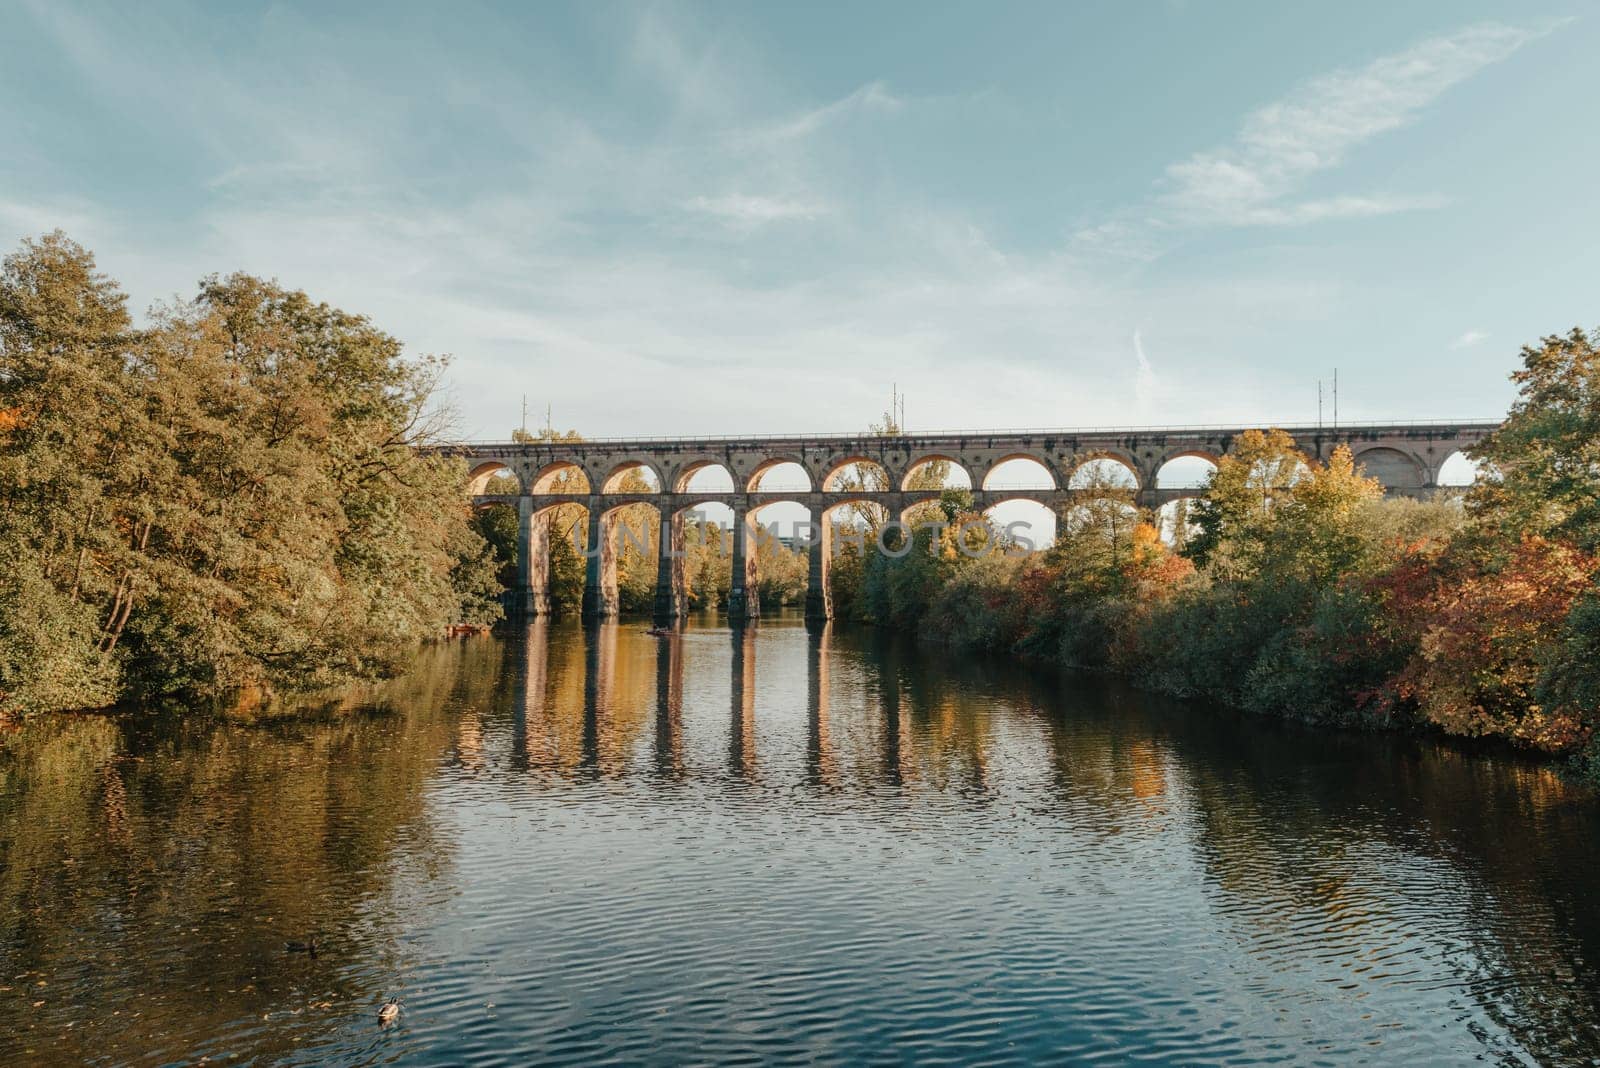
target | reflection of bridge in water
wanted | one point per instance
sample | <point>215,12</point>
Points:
<point>608,702</point>
<point>595,475</point>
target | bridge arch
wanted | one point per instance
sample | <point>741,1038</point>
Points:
<point>561,476</point>
<point>786,472</point>
<point>860,470</point>
<point>1025,520</point>
<point>773,543</point>
<point>618,474</point>
<point>1108,517</point>
<point>1456,471</point>
<point>1189,469</point>
<point>705,474</point>
<point>919,508</point>
<point>629,528</point>
<point>482,478</point>
<point>1111,468</point>
<point>1019,470</point>
<point>918,472</point>
<point>1398,471</point>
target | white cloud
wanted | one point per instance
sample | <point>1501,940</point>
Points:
<point>591,267</point>
<point>1468,339</point>
<point>1249,181</point>
<point>745,211</point>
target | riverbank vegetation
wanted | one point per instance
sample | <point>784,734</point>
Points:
<point>228,501</point>
<point>1298,590</point>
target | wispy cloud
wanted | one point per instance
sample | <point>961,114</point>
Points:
<point>874,98</point>
<point>745,211</point>
<point>596,241</point>
<point>1468,339</point>
<point>35,217</point>
<point>1144,376</point>
<point>1251,181</point>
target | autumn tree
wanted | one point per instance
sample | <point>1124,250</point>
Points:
<point>1317,534</point>
<point>230,499</point>
<point>1543,463</point>
<point>1487,643</point>
<point>1234,512</point>
<point>70,414</point>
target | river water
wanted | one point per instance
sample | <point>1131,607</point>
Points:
<point>777,846</point>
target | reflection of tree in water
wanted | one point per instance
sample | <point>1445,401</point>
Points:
<point>163,865</point>
<point>1386,835</point>
<point>932,727</point>
<point>1360,843</point>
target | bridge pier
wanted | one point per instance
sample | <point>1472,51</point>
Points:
<point>743,599</point>
<point>600,567</point>
<point>530,596</point>
<point>670,594</point>
<point>819,600</point>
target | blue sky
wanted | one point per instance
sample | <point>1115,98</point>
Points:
<point>728,218</point>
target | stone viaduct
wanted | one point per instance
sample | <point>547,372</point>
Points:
<point>1406,457</point>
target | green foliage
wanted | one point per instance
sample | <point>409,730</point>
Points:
<point>497,525</point>
<point>1329,668</point>
<point>1569,678</point>
<point>1234,516</point>
<point>49,658</point>
<point>782,572</point>
<point>1545,457</point>
<point>708,563</point>
<point>231,500</point>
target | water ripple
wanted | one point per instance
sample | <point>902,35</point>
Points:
<point>783,848</point>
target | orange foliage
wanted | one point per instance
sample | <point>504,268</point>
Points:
<point>1152,568</point>
<point>1481,638</point>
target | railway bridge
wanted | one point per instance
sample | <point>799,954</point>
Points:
<point>835,471</point>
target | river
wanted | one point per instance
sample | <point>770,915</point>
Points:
<point>777,846</point>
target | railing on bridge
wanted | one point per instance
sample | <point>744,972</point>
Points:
<point>1079,431</point>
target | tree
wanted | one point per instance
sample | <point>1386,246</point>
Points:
<point>1234,512</point>
<point>1317,532</point>
<point>1487,639</point>
<point>1182,525</point>
<point>1543,462</point>
<point>70,418</point>
<point>232,499</point>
